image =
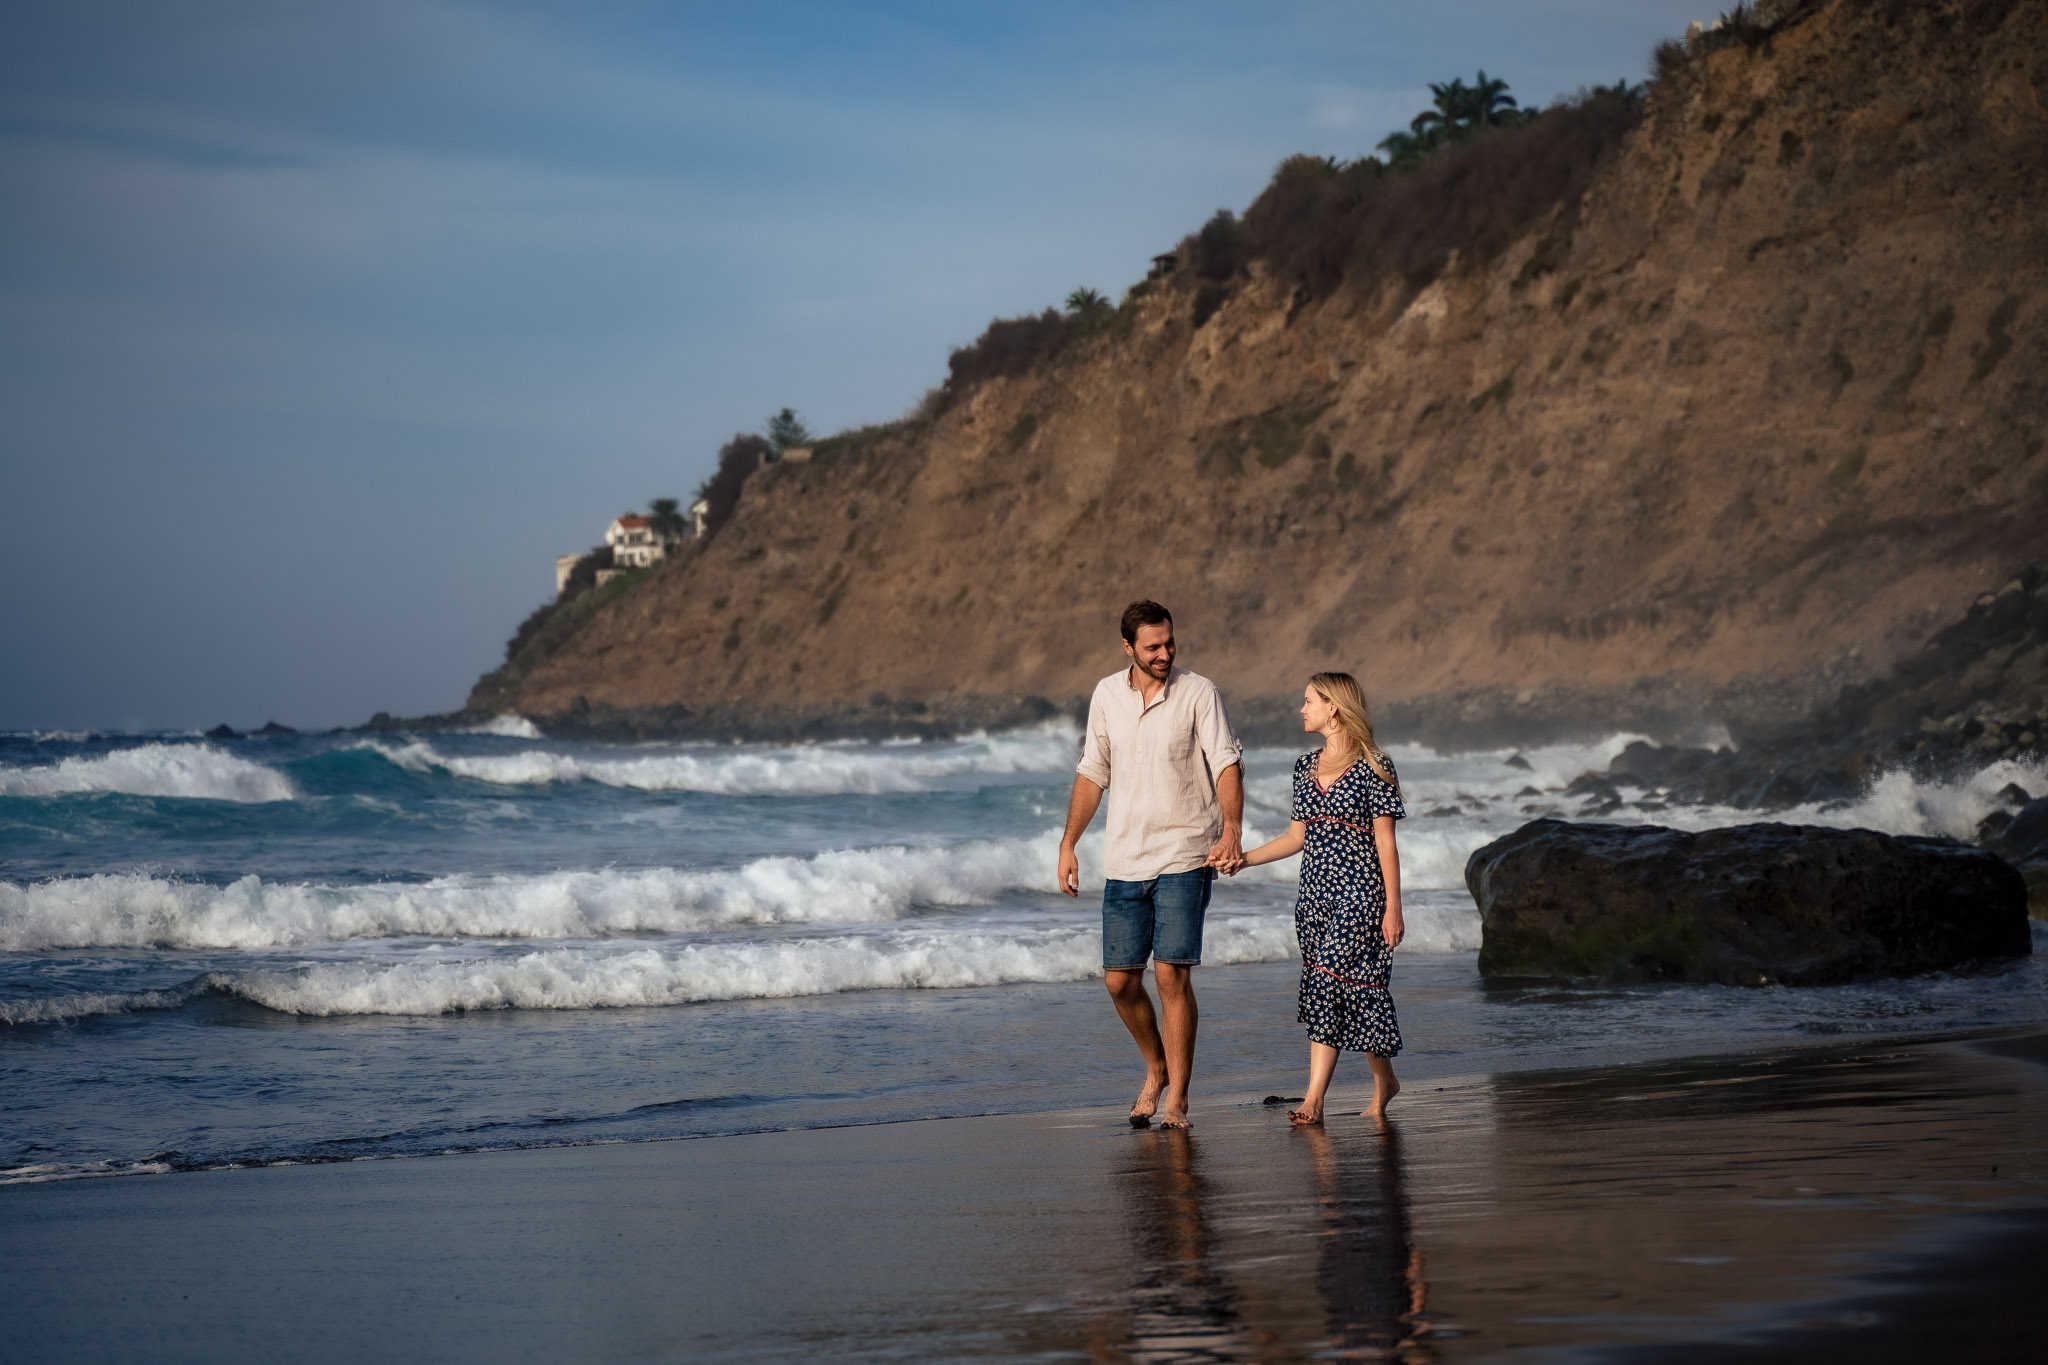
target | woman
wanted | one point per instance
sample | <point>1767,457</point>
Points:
<point>1348,913</point>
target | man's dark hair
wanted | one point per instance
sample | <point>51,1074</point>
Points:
<point>1143,613</point>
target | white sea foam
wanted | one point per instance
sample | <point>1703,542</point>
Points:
<point>900,957</point>
<point>1899,803</point>
<point>1459,802</point>
<point>198,771</point>
<point>56,1009</point>
<point>570,978</point>
<point>852,886</point>
<point>509,725</point>
<point>806,769</point>
<point>85,1170</point>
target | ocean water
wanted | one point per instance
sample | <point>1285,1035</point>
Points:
<point>310,948</point>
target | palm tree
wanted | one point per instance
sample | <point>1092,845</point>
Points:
<point>1448,118</point>
<point>1489,102</point>
<point>1405,148</point>
<point>1086,302</point>
<point>666,518</point>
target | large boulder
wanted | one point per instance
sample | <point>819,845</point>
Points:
<point>1750,905</point>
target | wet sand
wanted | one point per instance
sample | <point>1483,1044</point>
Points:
<point>1882,1198</point>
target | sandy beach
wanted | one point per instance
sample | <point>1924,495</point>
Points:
<point>1760,1202</point>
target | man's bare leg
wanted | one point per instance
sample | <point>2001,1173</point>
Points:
<point>1134,1007</point>
<point>1177,1003</point>
<point>1384,1086</point>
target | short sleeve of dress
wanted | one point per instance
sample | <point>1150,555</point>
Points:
<point>1383,798</point>
<point>1299,809</point>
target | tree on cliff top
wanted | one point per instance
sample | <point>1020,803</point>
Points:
<point>737,458</point>
<point>786,429</point>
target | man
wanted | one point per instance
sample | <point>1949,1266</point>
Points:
<point>1160,745</point>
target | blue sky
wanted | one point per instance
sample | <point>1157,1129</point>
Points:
<point>326,326</point>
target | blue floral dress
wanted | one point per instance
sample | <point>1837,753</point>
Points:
<point>1345,961</point>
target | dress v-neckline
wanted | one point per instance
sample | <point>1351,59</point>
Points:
<point>1316,776</point>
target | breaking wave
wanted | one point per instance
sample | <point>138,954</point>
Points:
<point>509,725</point>
<point>808,770</point>
<point>194,771</point>
<point>854,886</point>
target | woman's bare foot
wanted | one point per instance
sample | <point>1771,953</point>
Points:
<point>1383,1091</point>
<point>1305,1116</point>
<point>1173,1110</point>
<point>1147,1103</point>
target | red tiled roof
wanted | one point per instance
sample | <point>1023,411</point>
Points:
<point>632,521</point>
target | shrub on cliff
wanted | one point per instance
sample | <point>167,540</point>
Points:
<point>1010,346</point>
<point>1321,225</point>
<point>737,458</point>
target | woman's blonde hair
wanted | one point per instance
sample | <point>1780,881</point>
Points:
<point>1342,691</point>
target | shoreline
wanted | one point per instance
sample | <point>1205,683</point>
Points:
<point>1649,1208</point>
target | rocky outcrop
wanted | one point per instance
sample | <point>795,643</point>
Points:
<point>1738,427</point>
<point>1750,905</point>
<point>2021,838</point>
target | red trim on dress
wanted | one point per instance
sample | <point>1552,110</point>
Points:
<point>1347,980</point>
<point>1335,821</point>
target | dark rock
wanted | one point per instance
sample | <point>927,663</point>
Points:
<point>223,731</point>
<point>1593,785</point>
<point>2024,837</point>
<point>1528,791</point>
<point>1749,905</point>
<point>1992,826</point>
<point>1517,762</point>
<point>272,729</point>
<point>2013,794</point>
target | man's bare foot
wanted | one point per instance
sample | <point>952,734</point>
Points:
<point>1305,1116</point>
<point>1147,1103</point>
<point>1382,1096</point>
<point>1174,1112</point>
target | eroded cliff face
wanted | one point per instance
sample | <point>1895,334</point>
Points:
<point>1767,404</point>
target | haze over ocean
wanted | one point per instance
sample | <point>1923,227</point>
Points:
<point>328,327</point>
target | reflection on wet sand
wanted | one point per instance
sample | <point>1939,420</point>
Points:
<point>1370,1272</point>
<point>1182,1308</point>
<point>1218,1270</point>
<point>1654,1206</point>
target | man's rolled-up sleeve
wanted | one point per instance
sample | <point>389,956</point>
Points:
<point>1094,764</point>
<point>1212,727</point>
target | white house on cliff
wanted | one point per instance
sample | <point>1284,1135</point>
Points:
<point>634,544</point>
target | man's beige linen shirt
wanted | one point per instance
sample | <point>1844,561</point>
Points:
<point>1158,766</point>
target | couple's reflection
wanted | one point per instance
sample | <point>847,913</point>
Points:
<point>1184,1304</point>
<point>1370,1272</point>
<point>1182,1307</point>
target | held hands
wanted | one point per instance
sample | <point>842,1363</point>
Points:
<point>1226,855</point>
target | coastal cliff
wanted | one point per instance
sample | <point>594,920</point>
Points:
<point>1744,421</point>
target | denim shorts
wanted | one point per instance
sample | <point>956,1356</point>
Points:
<point>1159,919</point>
